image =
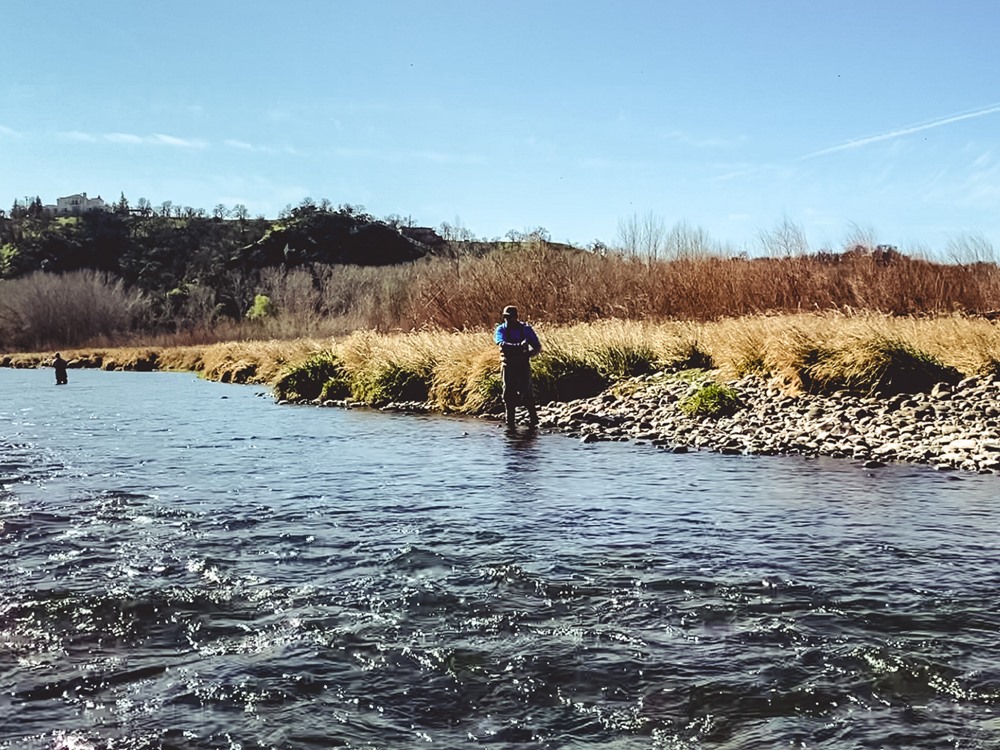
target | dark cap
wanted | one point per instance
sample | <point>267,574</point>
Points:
<point>510,311</point>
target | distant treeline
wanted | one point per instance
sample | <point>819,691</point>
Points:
<point>170,253</point>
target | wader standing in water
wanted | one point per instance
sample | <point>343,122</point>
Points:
<point>518,344</point>
<point>60,364</point>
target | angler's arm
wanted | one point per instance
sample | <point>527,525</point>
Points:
<point>536,345</point>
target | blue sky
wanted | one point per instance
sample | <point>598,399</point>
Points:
<point>730,116</point>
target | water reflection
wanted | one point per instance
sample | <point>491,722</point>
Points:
<point>520,437</point>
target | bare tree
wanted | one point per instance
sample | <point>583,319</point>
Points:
<point>786,240</point>
<point>685,242</point>
<point>642,235</point>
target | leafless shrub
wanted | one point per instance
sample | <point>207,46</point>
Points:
<point>47,310</point>
<point>198,309</point>
<point>294,294</point>
<point>368,297</point>
<point>861,238</point>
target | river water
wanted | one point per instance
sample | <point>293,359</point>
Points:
<point>187,564</point>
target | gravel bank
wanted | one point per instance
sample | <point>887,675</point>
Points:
<point>952,427</point>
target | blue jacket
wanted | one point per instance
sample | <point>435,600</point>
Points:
<point>517,339</point>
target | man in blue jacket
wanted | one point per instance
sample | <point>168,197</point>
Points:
<point>518,344</point>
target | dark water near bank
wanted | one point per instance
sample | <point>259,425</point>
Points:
<point>187,565</point>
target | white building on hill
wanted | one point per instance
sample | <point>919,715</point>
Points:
<point>77,204</point>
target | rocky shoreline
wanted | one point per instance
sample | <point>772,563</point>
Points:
<point>951,428</point>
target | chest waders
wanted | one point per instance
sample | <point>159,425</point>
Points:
<point>515,374</point>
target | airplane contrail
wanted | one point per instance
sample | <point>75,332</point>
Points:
<point>858,142</point>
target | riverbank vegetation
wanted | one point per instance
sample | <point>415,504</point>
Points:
<point>456,371</point>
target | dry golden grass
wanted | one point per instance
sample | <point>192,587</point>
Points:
<point>240,361</point>
<point>104,358</point>
<point>970,345</point>
<point>807,350</point>
<point>457,370</point>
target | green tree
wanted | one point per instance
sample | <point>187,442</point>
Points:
<point>8,261</point>
<point>121,208</point>
<point>35,208</point>
<point>262,309</point>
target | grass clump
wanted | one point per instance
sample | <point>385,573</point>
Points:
<point>560,375</point>
<point>390,368</point>
<point>618,362</point>
<point>320,376</point>
<point>468,381</point>
<point>880,364</point>
<point>712,401</point>
<point>387,381</point>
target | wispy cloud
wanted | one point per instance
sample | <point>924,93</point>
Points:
<point>976,186</point>
<point>983,160</point>
<point>391,156</point>
<point>155,139</point>
<point>8,132</point>
<point>258,149</point>
<point>908,130</point>
<point>129,138</point>
<point>243,145</point>
<point>76,135</point>
<point>170,140</point>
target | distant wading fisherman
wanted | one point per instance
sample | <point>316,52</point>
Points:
<point>518,344</point>
<point>60,364</point>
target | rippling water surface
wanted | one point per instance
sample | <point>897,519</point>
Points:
<point>188,565</point>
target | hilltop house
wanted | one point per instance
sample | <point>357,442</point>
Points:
<point>77,204</point>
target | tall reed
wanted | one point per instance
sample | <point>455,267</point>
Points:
<point>563,286</point>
